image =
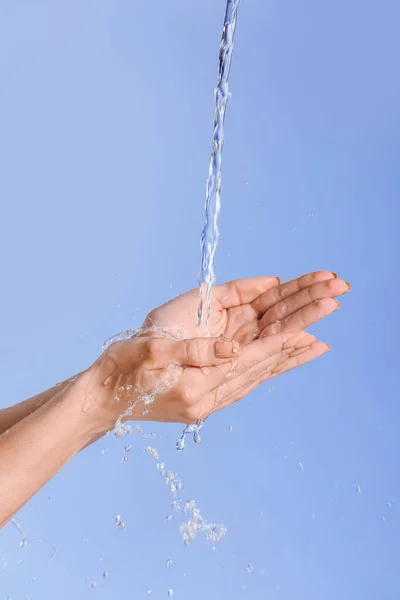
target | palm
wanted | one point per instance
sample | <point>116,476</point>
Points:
<point>244,309</point>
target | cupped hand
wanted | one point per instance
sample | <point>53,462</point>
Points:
<point>246,309</point>
<point>185,380</point>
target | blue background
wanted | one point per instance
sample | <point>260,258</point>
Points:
<point>106,112</point>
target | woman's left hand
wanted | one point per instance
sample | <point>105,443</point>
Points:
<point>182,381</point>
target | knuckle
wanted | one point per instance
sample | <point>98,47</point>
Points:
<point>192,350</point>
<point>191,414</point>
<point>184,395</point>
<point>281,310</point>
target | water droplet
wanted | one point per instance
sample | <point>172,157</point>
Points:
<point>180,444</point>
<point>358,489</point>
<point>118,433</point>
<point>388,504</point>
<point>301,466</point>
<point>149,592</point>
<point>169,563</point>
<point>128,388</point>
<point>127,448</point>
<point>93,584</point>
<point>168,517</point>
<point>121,388</point>
<point>106,574</point>
<point>230,428</point>
<point>170,593</point>
<point>197,437</point>
<point>23,543</point>
<point>124,459</point>
<point>153,452</point>
<point>85,540</point>
<point>107,381</point>
<point>116,398</point>
<point>119,522</point>
<point>104,451</point>
<point>33,579</point>
<point>250,568</point>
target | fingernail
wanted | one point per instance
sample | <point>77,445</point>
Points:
<point>335,275</point>
<point>279,279</point>
<point>299,351</point>
<point>328,347</point>
<point>224,349</point>
<point>348,285</point>
<point>338,305</point>
<point>276,370</point>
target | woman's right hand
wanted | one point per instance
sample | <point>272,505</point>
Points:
<point>245,309</point>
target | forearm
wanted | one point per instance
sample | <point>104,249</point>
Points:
<point>14,414</point>
<point>37,447</point>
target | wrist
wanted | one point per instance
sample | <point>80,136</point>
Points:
<point>87,413</point>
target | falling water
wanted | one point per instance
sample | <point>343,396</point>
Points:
<point>210,234</point>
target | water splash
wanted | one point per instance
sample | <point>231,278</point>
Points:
<point>196,524</point>
<point>146,398</point>
<point>24,543</point>
<point>193,430</point>
<point>210,234</point>
<point>128,334</point>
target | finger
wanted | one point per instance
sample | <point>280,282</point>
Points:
<point>303,318</point>
<point>268,347</point>
<point>259,351</point>
<point>293,304</point>
<point>195,352</point>
<point>242,291</point>
<point>285,290</point>
<point>240,387</point>
<point>302,357</point>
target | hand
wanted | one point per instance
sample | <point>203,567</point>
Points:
<point>246,309</point>
<point>183,381</point>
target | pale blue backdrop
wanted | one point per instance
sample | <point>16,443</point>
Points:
<point>106,121</point>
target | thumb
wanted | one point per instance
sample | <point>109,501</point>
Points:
<point>195,352</point>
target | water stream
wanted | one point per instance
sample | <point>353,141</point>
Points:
<point>210,234</point>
